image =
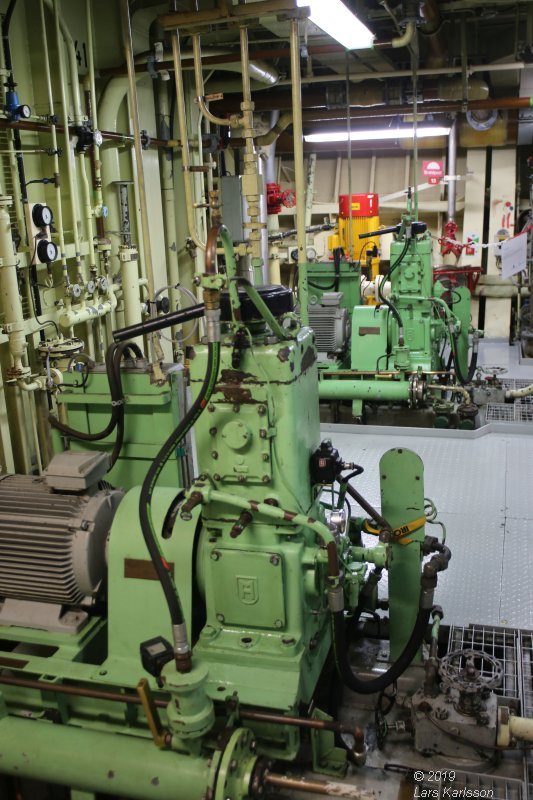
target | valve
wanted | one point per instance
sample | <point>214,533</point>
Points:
<point>276,198</point>
<point>448,243</point>
<point>87,138</point>
<point>14,109</point>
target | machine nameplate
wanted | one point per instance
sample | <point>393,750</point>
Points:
<point>142,569</point>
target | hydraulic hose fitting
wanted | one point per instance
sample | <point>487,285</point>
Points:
<point>182,650</point>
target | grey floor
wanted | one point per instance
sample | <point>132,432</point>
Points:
<point>482,485</point>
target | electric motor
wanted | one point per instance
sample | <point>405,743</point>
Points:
<point>53,539</point>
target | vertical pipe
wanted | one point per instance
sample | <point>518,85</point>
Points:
<point>185,157</point>
<point>57,181</point>
<point>349,157</point>
<point>134,114</point>
<point>452,170</point>
<point>99,202</point>
<point>309,191</point>
<point>68,148</point>
<point>297,129</point>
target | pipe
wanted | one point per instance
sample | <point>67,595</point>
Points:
<point>372,390</point>
<point>199,84</point>
<point>85,313</point>
<point>437,387</point>
<point>521,728</point>
<point>53,132</point>
<point>208,495</point>
<point>68,147</point>
<point>160,323</point>
<point>185,157</point>
<point>526,391</point>
<point>95,761</point>
<point>10,304</point>
<point>73,64</point>
<point>327,788</point>
<point>299,176</point>
<point>303,722</point>
<point>134,114</point>
<point>452,171</point>
<point>99,201</point>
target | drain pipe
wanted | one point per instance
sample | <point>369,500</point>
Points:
<point>297,129</point>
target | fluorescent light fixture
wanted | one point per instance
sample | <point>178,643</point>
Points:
<point>334,18</point>
<point>422,132</point>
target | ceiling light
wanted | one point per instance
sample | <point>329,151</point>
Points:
<point>339,22</point>
<point>422,132</point>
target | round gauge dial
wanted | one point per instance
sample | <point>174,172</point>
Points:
<point>46,251</point>
<point>98,138</point>
<point>42,215</point>
<point>24,111</point>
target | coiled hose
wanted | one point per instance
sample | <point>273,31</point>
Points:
<point>115,353</point>
<point>145,511</point>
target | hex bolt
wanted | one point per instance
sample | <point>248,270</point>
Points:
<point>262,433</point>
<point>210,407</point>
<point>213,431</point>
<point>220,617</point>
<point>266,478</point>
<point>261,410</point>
<point>274,560</point>
<point>216,476</point>
<point>236,408</point>
<point>215,554</point>
<point>214,455</point>
<point>278,623</point>
<point>266,457</point>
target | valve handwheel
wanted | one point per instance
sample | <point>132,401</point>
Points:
<point>471,671</point>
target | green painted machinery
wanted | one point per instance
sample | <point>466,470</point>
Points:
<point>399,349</point>
<point>265,569</point>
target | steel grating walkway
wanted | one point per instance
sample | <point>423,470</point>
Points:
<point>482,484</point>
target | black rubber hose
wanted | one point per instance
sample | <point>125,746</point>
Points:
<point>472,367</point>
<point>145,513</point>
<point>117,397</point>
<point>159,323</point>
<point>394,311</point>
<point>380,683</point>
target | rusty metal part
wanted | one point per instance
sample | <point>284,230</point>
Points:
<point>333,560</point>
<point>327,788</point>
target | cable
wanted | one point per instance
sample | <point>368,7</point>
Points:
<point>394,311</point>
<point>145,500</point>
<point>337,253</point>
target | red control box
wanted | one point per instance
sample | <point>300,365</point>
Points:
<point>363,205</point>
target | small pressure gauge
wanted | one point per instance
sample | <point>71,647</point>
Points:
<point>98,138</point>
<point>46,251</point>
<point>41,215</point>
<point>311,254</point>
<point>24,111</point>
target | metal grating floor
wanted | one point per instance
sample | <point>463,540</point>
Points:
<point>481,484</point>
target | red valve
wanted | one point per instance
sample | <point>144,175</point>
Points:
<point>447,246</point>
<point>276,198</point>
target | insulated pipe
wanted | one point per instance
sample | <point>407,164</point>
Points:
<point>526,391</point>
<point>129,271</point>
<point>452,171</point>
<point>13,319</point>
<point>86,313</point>
<point>373,390</point>
<point>185,158</point>
<point>96,761</point>
<point>134,113</point>
<point>297,130</point>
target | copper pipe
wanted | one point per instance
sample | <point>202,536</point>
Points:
<point>76,691</point>
<point>327,788</point>
<point>303,722</point>
<point>42,127</point>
